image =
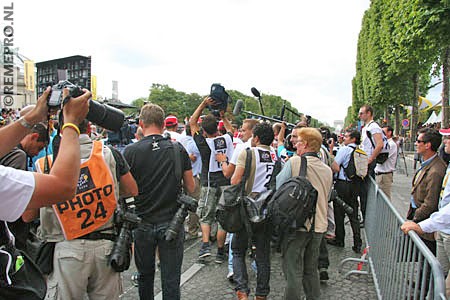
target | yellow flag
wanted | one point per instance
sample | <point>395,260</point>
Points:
<point>29,75</point>
<point>94,87</point>
<point>424,103</point>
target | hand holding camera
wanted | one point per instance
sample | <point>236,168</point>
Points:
<point>76,109</point>
<point>40,111</point>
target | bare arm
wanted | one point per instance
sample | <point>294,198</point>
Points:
<point>281,133</point>
<point>12,134</point>
<point>227,124</point>
<point>62,181</point>
<point>197,113</point>
<point>237,175</point>
<point>188,181</point>
<point>128,186</point>
<point>335,167</point>
<point>378,146</point>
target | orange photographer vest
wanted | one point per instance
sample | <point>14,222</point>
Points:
<point>95,201</point>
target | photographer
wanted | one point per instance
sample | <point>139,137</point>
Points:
<point>212,177</point>
<point>347,190</point>
<point>153,164</point>
<point>83,227</point>
<point>21,189</point>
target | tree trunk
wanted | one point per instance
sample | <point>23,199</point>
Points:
<point>414,111</point>
<point>397,125</point>
<point>445,88</point>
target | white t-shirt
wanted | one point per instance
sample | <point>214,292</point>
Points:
<point>16,189</point>
<point>238,149</point>
<point>366,144</point>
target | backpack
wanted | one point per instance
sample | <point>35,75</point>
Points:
<point>358,166</point>
<point>292,204</point>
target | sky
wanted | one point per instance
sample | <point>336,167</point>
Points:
<point>303,51</point>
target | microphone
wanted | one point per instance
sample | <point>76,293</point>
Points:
<point>255,92</point>
<point>282,112</point>
<point>238,107</point>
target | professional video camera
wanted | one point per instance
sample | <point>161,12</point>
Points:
<point>221,99</point>
<point>187,204</point>
<point>126,220</point>
<point>101,114</point>
<point>334,197</point>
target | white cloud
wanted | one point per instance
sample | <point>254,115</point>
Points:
<point>303,51</point>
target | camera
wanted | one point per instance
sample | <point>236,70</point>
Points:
<point>187,204</point>
<point>221,99</point>
<point>126,220</point>
<point>101,114</point>
<point>334,197</point>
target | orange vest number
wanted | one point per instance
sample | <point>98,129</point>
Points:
<point>94,202</point>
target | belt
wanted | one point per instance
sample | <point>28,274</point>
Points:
<point>98,236</point>
<point>344,180</point>
<point>381,173</point>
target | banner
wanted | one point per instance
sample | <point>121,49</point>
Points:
<point>29,75</point>
<point>94,87</point>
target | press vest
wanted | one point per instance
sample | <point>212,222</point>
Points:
<point>220,144</point>
<point>95,201</point>
<point>265,162</point>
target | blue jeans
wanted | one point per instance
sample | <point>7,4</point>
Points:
<point>261,238</point>
<point>147,237</point>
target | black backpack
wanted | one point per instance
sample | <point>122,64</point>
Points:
<point>293,203</point>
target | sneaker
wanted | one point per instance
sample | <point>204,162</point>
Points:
<point>205,251</point>
<point>230,276</point>
<point>135,279</point>
<point>356,249</point>
<point>336,243</point>
<point>323,273</point>
<point>220,257</point>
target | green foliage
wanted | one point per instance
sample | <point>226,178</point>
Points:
<point>183,105</point>
<point>400,47</point>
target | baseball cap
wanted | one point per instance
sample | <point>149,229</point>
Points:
<point>171,121</point>
<point>445,131</point>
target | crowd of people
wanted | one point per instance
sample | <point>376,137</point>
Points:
<point>75,192</point>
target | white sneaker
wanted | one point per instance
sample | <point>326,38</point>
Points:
<point>230,276</point>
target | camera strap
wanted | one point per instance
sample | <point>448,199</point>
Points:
<point>177,159</point>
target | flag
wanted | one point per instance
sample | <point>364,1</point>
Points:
<point>424,103</point>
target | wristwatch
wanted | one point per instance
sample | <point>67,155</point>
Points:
<point>25,123</point>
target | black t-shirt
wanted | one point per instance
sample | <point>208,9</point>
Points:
<point>152,165</point>
<point>215,178</point>
<point>122,166</point>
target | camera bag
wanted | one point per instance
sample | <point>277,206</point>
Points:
<point>231,212</point>
<point>20,278</point>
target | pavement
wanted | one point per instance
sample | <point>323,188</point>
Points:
<point>208,280</point>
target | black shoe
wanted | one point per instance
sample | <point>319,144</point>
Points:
<point>334,242</point>
<point>323,274</point>
<point>220,258</point>
<point>356,249</point>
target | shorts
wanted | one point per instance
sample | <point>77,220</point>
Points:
<point>207,205</point>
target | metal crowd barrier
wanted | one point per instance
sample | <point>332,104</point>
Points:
<point>401,265</point>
